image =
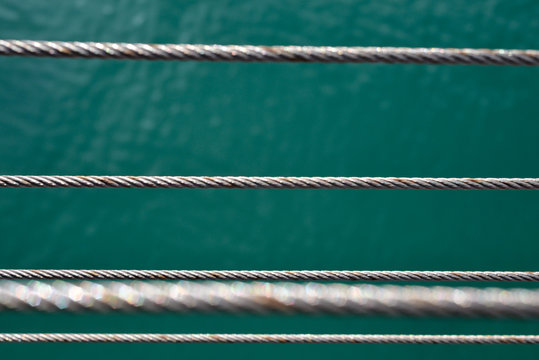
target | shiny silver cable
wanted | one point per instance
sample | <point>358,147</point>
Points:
<point>270,338</point>
<point>267,182</point>
<point>250,53</point>
<point>284,275</point>
<point>261,298</point>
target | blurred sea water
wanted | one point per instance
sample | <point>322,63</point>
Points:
<point>170,118</point>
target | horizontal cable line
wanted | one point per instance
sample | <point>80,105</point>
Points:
<point>267,182</point>
<point>288,275</point>
<point>251,53</point>
<point>270,338</point>
<point>262,298</point>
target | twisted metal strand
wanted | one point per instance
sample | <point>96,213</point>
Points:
<point>261,298</point>
<point>293,275</point>
<point>271,338</point>
<point>249,53</point>
<point>267,182</point>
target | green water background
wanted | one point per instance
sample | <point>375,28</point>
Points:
<point>171,118</point>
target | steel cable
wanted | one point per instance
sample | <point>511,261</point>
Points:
<point>270,338</point>
<point>289,275</point>
<point>261,298</point>
<point>266,182</point>
<point>250,53</point>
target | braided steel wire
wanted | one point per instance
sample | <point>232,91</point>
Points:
<point>268,182</point>
<point>270,338</point>
<point>288,275</point>
<point>261,298</point>
<point>250,53</point>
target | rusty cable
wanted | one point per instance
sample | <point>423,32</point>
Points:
<point>267,182</point>
<point>262,298</point>
<point>250,53</point>
<point>270,338</point>
<point>283,275</point>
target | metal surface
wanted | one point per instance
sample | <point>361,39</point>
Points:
<point>249,53</point>
<point>260,297</point>
<point>266,182</point>
<point>271,338</point>
<point>292,275</point>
